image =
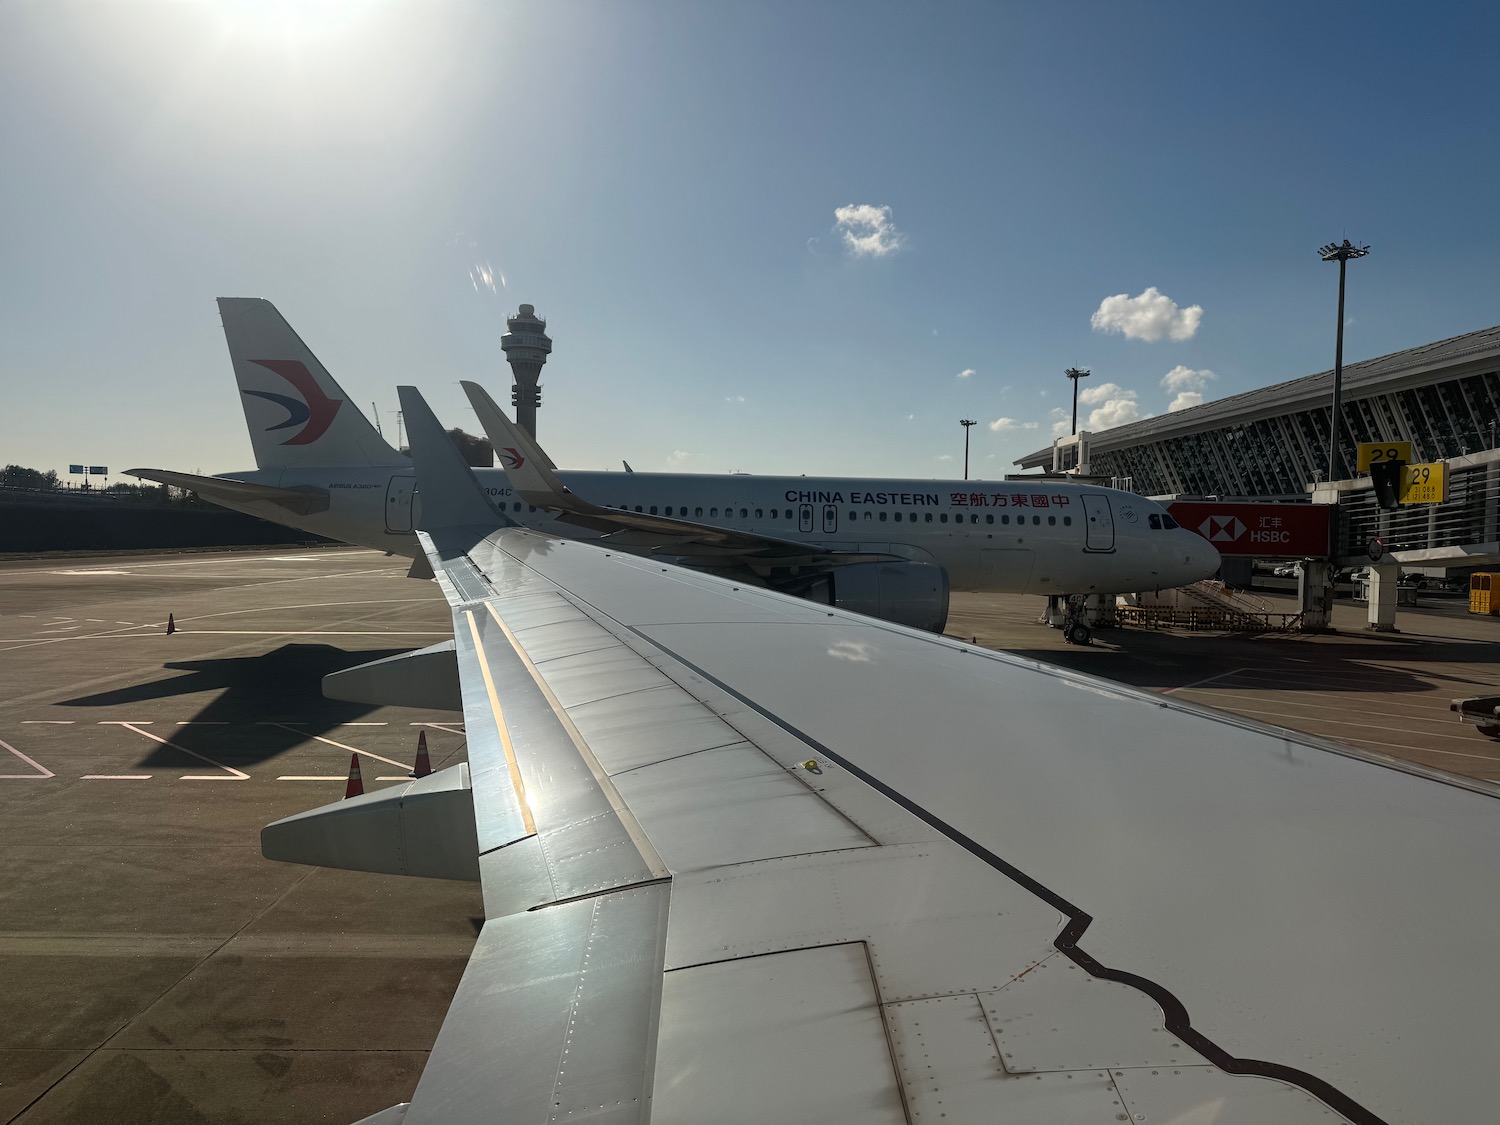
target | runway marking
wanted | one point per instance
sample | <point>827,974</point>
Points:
<point>33,763</point>
<point>1209,680</point>
<point>310,777</point>
<point>367,724</point>
<point>331,742</point>
<point>403,777</point>
<point>117,622</point>
<point>116,777</point>
<point>311,632</point>
<point>203,722</point>
<point>64,629</point>
<point>229,774</point>
<point>48,722</point>
<point>450,728</point>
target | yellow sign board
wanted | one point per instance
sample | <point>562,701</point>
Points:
<point>1372,451</point>
<point>1424,484</point>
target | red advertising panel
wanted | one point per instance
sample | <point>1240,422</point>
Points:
<point>1265,530</point>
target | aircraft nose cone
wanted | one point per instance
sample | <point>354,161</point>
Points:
<point>1200,558</point>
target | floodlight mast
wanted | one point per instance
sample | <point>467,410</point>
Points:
<point>966,423</point>
<point>1334,252</point>
<point>1076,373</point>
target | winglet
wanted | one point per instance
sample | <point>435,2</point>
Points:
<point>530,470</point>
<point>451,494</point>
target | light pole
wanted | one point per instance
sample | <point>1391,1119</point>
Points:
<point>966,423</point>
<point>1076,373</point>
<point>1333,252</point>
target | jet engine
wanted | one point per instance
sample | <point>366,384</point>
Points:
<point>907,593</point>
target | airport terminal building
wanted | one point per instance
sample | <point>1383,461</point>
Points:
<point>1272,443</point>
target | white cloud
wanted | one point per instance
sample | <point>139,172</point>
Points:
<point>867,230</point>
<point>735,400</point>
<point>1185,400</point>
<point>1151,316</point>
<point>945,457</point>
<point>966,373</point>
<point>1061,422</point>
<point>1005,425</point>
<point>1182,378</point>
<point>911,417</point>
<point>1115,412</point>
<point>679,457</point>
<point>1102,392</point>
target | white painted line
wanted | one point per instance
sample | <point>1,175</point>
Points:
<point>230,773</point>
<point>365,724</point>
<point>48,722</point>
<point>126,722</point>
<point>308,632</point>
<point>1209,680</point>
<point>64,629</point>
<point>116,777</point>
<point>451,728</point>
<point>202,723</point>
<point>310,777</point>
<point>340,745</point>
<point>403,777</point>
<point>124,622</point>
<point>45,772</point>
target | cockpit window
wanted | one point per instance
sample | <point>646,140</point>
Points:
<point>1168,522</point>
<point>1155,521</point>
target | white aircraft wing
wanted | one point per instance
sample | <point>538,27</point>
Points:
<point>749,859</point>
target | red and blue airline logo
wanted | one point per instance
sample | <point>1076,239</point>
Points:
<point>314,411</point>
<point>512,457</point>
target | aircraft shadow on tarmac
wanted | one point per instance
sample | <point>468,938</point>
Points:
<point>283,686</point>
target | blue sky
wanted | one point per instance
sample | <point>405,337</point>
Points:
<point>664,182</point>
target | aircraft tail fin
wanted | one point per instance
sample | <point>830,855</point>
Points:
<point>298,416</point>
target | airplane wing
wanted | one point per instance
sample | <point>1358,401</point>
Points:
<point>303,500</point>
<point>746,858</point>
<point>533,475</point>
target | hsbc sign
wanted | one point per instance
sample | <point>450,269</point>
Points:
<point>1265,530</point>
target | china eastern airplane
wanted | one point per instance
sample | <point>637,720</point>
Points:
<point>749,859</point>
<point>891,548</point>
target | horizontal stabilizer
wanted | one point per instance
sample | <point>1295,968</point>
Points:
<point>424,677</point>
<point>302,501</point>
<point>424,827</point>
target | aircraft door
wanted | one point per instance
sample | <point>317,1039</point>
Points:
<point>398,497</point>
<point>1098,522</point>
<point>830,519</point>
<point>805,518</point>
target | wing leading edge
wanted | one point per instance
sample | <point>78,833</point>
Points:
<point>748,858</point>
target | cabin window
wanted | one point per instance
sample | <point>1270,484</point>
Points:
<point>882,517</point>
<point>1005,519</point>
<point>988,518</point>
<point>1051,521</point>
<point>518,506</point>
<point>868,517</point>
<point>637,507</point>
<point>531,507</point>
<point>653,509</point>
<point>697,511</point>
<point>896,516</point>
<point>760,513</point>
<point>1067,521</point>
<point>929,517</point>
<point>1037,520</point>
<point>713,512</point>
<point>744,513</point>
<point>943,517</point>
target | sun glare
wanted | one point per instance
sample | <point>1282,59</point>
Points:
<point>296,23</point>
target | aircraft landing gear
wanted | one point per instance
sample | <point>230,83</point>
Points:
<point>1076,629</point>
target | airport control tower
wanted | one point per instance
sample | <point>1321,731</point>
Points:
<point>526,348</point>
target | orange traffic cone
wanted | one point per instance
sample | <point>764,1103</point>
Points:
<point>356,786</point>
<point>424,763</point>
<point>171,625</point>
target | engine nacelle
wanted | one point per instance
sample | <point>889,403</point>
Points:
<point>908,593</point>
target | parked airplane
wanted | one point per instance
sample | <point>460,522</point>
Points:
<point>747,859</point>
<point>322,468</point>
